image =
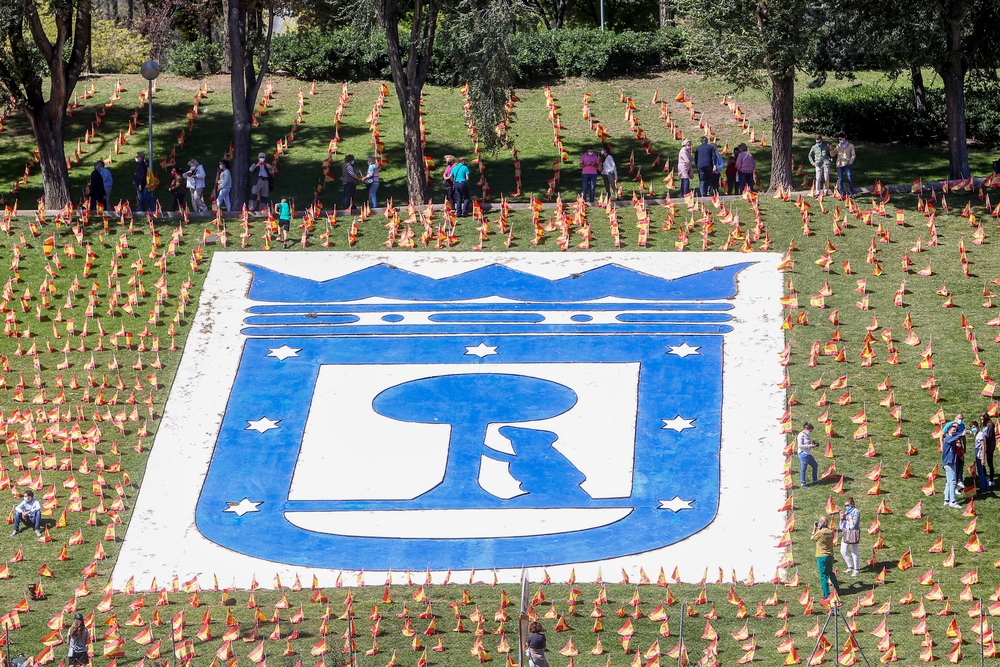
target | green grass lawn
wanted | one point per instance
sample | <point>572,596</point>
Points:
<point>954,372</point>
<point>958,378</point>
<point>300,169</point>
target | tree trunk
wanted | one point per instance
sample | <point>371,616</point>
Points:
<point>242,115</point>
<point>782,118</point>
<point>244,85</point>
<point>919,92</point>
<point>47,124</point>
<point>409,82</point>
<point>666,13</point>
<point>953,75</point>
<point>416,178</point>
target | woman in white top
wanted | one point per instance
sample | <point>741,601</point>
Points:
<point>805,445</point>
<point>195,176</point>
<point>850,535</point>
<point>224,183</point>
<point>609,171</point>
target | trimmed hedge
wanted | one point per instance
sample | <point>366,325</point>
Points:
<point>552,54</point>
<point>875,113</point>
<point>871,113</point>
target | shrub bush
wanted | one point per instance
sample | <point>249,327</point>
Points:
<point>117,49</point>
<point>328,56</point>
<point>982,112</point>
<point>872,113</point>
<point>189,58</point>
<point>552,54</point>
<point>594,54</point>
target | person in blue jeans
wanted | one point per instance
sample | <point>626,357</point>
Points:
<point>590,164</point>
<point>949,459</point>
<point>29,511</point>
<point>460,175</point>
<point>371,179</point>
<point>705,159</point>
<point>845,154</point>
<point>805,446</point>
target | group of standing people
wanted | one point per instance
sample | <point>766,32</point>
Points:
<point>711,165</point>
<point>822,156</point>
<point>351,178</point>
<point>592,164</point>
<point>100,186</point>
<point>954,441</point>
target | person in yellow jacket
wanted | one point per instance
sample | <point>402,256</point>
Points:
<point>844,154</point>
<point>823,537</point>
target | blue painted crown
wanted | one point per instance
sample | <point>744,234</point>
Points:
<point>387,281</point>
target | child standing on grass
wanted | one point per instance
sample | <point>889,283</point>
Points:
<point>284,220</point>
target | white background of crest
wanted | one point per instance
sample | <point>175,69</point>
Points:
<point>162,540</point>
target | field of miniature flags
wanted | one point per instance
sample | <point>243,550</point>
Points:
<point>891,322</point>
<point>307,129</point>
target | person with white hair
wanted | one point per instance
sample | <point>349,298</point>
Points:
<point>195,176</point>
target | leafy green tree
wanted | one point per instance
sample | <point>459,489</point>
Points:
<point>761,44</point>
<point>27,55</point>
<point>483,29</point>
<point>954,37</point>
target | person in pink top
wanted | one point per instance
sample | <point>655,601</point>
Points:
<point>684,167</point>
<point>745,166</point>
<point>590,164</point>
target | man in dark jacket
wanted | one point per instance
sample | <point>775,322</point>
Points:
<point>98,197</point>
<point>139,181</point>
<point>704,159</point>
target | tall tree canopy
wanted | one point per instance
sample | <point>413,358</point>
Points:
<point>954,37</point>
<point>481,59</point>
<point>761,44</point>
<point>27,55</point>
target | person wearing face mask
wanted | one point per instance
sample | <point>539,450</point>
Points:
<point>955,481</point>
<point>819,158</point>
<point>850,533</point>
<point>590,163</point>
<point>844,153</point>
<point>195,176</point>
<point>261,190</point>
<point>224,184</point>
<point>950,446</point>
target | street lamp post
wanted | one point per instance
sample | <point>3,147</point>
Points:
<point>150,70</point>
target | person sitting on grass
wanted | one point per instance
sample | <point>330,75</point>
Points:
<point>29,511</point>
<point>284,220</point>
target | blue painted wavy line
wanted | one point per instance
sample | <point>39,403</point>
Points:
<point>384,280</point>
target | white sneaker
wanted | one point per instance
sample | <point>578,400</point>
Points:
<point>38,533</point>
<point>14,534</point>
<point>954,505</point>
<point>855,573</point>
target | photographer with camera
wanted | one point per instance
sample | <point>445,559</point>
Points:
<point>823,537</point>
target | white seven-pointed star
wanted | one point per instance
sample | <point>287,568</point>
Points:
<point>481,350</point>
<point>242,507</point>
<point>676,505</point>
<point>683,350</point>
<point>283,352</point>
<point>678,423</point>
<point>263,424</point>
